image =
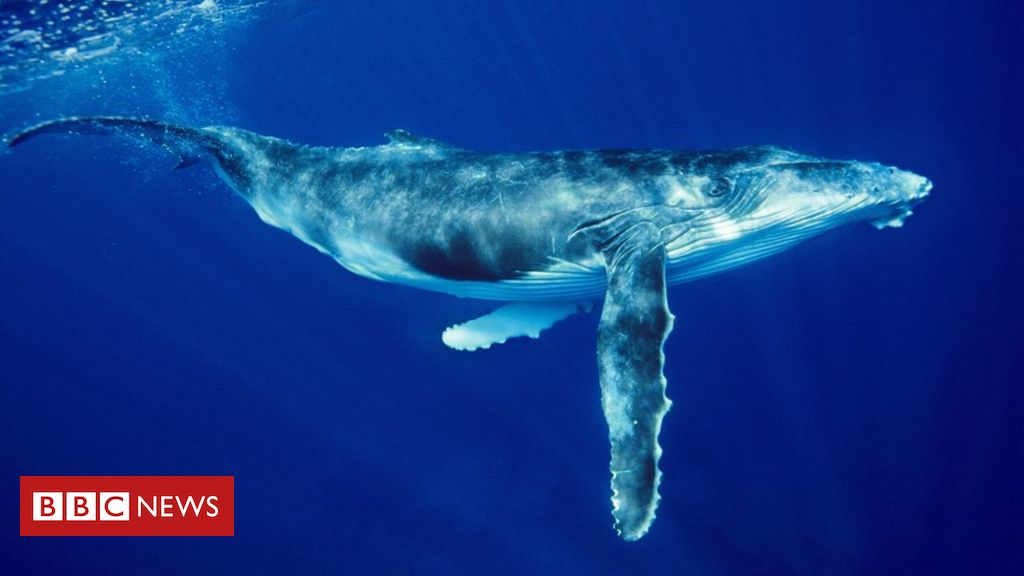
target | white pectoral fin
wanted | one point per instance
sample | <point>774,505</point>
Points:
<point>635,321</point>
<point>510,321</point>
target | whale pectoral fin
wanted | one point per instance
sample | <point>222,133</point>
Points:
<point>510,321</point>
<point>635,321</point>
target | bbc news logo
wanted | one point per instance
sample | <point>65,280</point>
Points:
<point>127,505</point>
<point>115,507</point>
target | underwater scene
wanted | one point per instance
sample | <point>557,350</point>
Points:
<point>510,287</point>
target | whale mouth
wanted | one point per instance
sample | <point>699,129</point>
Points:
<point>892,221</point>
<point>922,188</point>
<point>917,188</point>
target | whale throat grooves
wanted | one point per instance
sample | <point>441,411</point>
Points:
<point>635,321</point>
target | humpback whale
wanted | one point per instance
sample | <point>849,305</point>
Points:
<point>549,234</point>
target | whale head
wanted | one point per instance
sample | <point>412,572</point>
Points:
<point>808,192</point>
<point>762,200</point>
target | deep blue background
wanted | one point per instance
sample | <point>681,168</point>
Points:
<point>853,406</point>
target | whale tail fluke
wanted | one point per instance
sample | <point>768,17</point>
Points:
<point>231,150</point>
<point>184,141</point>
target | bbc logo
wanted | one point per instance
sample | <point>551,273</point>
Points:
<point>84,506</point>
<point>127,505</point>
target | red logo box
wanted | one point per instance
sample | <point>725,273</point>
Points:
<point>127,505</point>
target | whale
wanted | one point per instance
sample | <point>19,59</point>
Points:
<point>547,234</point>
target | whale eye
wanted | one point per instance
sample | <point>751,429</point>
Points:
<point>719,186</point>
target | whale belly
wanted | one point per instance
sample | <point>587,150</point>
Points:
<point>560,281</point>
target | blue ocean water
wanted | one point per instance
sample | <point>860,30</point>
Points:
<point>852,406</point>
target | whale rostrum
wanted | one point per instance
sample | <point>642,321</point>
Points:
<point>548,233</point>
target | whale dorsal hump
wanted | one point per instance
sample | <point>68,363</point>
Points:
<point>401,137</point>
